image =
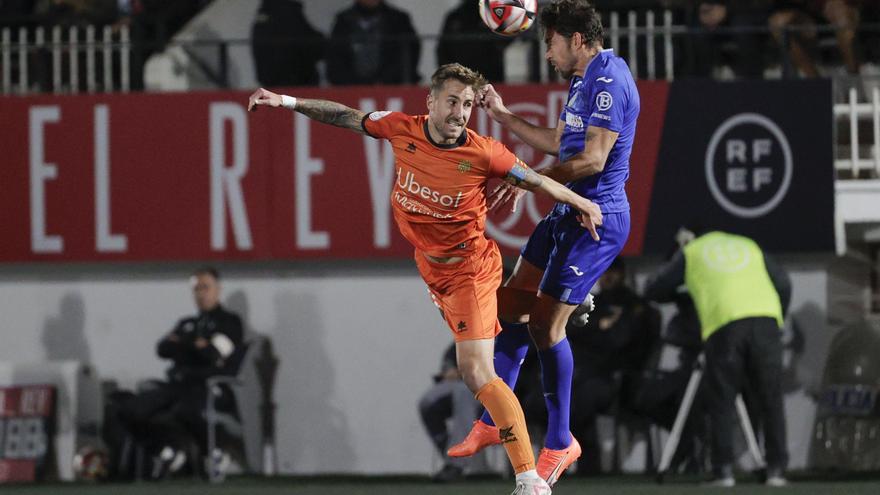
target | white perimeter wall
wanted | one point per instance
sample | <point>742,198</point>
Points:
<point>356,350</point>
<point>357,344</point>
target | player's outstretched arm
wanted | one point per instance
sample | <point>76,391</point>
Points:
<point>325,111</point>
<point>545,139</point>
<point>523,177</point>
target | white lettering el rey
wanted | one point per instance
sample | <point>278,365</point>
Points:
<point>226,181</point>
<point>41,172</point>
<point>105,241</point>
<point>304,167</point>
<point>380,170</point>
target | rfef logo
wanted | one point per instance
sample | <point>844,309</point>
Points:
<point>748,165</point>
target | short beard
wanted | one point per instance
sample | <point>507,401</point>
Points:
<point>440,130</point>
<point>565,74</point>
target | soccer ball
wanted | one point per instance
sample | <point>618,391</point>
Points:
<point>508,17</point>
<point>90,463</point>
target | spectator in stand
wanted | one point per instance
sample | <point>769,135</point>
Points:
<point>153,23</point>
<point>712,17</point>
<point>15,13</point>
<point>465,39</point>
<point>296,46</point>
<point>76,12</point>
<point>373,43</point>
<point>844,16</point>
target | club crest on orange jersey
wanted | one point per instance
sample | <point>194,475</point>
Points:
<point>464,166</point>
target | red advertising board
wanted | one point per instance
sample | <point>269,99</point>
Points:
<point>149,177</point>
<point>27,416</point>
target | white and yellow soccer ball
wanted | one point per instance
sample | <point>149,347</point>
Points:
<point>508,17</point>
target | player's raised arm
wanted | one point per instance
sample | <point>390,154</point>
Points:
<point>325,111</point>
<point>524,177</point>
<point>545,139</point>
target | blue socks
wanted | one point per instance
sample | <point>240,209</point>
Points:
<point>511,347</point>
<point>557,366</point>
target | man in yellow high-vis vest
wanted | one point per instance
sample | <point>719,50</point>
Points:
<point>741,296</point>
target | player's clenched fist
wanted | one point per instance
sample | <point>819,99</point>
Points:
<point>263,97</point>
<point>491,101</point>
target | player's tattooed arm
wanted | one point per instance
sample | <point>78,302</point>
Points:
<point>331,112</point>
<point>325,111</point>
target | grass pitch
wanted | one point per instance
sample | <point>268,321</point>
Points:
<point>622,485</point>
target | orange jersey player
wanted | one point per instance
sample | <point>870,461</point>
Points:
<point>439,204</point>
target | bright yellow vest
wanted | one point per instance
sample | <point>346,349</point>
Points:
<point>728,281</point>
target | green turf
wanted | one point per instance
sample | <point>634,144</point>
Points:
<point>414,486</point>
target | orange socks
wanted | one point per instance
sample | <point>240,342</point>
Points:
<point>507,414</point>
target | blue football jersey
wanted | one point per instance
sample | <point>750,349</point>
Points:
<point>606,96</point>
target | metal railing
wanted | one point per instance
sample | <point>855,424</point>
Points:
<point>58,53</point>
<point>860,156</point>
<point>650,31</point>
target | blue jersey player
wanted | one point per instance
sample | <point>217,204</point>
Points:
<point>561,261</point>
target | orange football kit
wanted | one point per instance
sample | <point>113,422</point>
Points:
<point>439,204</point>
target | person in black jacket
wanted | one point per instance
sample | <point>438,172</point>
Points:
<point>373,43</point>
<point>285,45</point>
<point>159,416</point>
<point>465,39</point>
<point>609,351</point>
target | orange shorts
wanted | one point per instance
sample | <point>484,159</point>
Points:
<point>465,292</point>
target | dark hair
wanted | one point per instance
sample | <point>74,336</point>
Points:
<point>567,17</point>
<point>207,270</point>
<point>458,72</point>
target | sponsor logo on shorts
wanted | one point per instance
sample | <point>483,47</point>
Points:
<point>577,271</point>
<point>411,147</point>
<point>461,327</point>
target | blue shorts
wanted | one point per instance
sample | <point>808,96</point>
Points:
<point>571,259</point>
